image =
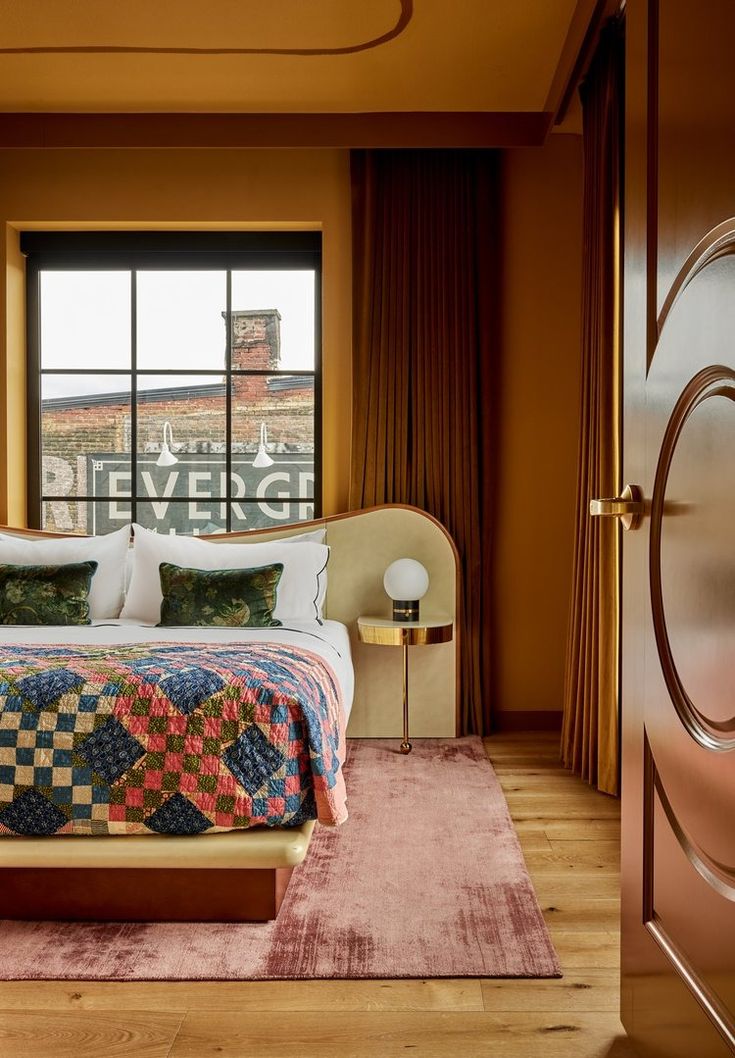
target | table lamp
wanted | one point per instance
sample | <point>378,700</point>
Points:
<point>406,582</point>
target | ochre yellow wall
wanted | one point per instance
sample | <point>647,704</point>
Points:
<point>227,189</point>
<point>538,384</point>
<point>539,414</point>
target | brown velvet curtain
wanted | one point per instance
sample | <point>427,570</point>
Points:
<point>424,240</point>
<point>590,742</point>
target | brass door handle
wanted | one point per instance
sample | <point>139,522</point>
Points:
<point>628,507</point>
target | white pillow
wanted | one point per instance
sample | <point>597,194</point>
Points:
<point>315,536</point>
<point>108,582</point>
<point>301,589</point>
<point>318,536</point>
<point>128,567</point>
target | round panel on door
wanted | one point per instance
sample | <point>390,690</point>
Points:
<point>693,585</point>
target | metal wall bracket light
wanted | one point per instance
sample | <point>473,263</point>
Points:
<point>166,458</point>
<point>262,459</point>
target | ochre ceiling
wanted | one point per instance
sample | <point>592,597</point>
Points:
<point>289,56</point>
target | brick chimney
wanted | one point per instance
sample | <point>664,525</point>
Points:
<point>256,339</point>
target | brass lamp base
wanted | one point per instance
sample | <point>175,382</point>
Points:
<point>405,611</point>
<point>405,745</point>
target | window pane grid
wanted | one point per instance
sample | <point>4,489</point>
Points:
<point>290,460</point>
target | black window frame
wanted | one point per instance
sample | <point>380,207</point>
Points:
<point>226,251</point>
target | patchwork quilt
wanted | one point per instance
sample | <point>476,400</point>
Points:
<point>168,739</point>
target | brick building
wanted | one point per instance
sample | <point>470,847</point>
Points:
<point>78,430</point>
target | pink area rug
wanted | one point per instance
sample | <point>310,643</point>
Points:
<point>426,879</point>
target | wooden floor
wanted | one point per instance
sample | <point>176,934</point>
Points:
<point>570,836</point>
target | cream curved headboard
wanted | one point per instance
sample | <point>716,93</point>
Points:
<point>362,544</point>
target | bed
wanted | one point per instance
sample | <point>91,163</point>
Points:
<point>217,873</point>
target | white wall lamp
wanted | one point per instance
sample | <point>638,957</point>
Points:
<point>262,459</point>
<point>167,458</point>
<point>406,582</point>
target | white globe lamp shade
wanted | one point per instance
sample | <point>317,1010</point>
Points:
<point>406,581</point>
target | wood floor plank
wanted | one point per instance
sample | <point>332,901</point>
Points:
<point>578,950</point>
<point>548,780</point>
<point>588,916</point>
<point>106,1035</point>
<point>511,776</point>
<point>578,991</point>
<point>182,996</point>
<point>586,857</point>
<point>534,840</point>
<point>506,772</point>
<point>571,805</point>
<point>578,830</point>
<point>522,757</point>
<point>570,829</point>
<point>550,864</point>
<point>581,855</point>
<point>520,761</point>
<point>554,887</point>
<point>438,1035</point>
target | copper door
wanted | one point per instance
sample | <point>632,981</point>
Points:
<point>678,640</point>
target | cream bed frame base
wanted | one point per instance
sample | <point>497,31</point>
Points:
<point>240,876</point>
<point>244,874</point>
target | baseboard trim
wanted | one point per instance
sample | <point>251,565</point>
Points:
<point>527,720</point>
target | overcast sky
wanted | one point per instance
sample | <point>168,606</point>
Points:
<point>85,323</point>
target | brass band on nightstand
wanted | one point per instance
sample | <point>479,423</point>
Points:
<point>394,634</point>
<point>381,632</point>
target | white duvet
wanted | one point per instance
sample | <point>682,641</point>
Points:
<point>330,640</point>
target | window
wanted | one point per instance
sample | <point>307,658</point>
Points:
<point>173,380</point>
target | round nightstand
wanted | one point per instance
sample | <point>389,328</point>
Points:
<point>383,632</point>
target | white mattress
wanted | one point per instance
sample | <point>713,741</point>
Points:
<point>330,640</point>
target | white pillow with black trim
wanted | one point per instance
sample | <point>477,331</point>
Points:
<point>301,589</point>
<point>108,551</point>
<point>316,536</point>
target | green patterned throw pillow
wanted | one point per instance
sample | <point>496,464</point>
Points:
<point>46,595</point>
<point>226,598</point>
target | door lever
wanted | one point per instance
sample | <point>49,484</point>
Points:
<point>628,507</point>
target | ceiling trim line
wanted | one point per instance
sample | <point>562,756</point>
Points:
<point>396,129</point>
<point>404,17</point>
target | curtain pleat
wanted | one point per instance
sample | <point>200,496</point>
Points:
<point>590,741</point>
<point>425,272</point>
